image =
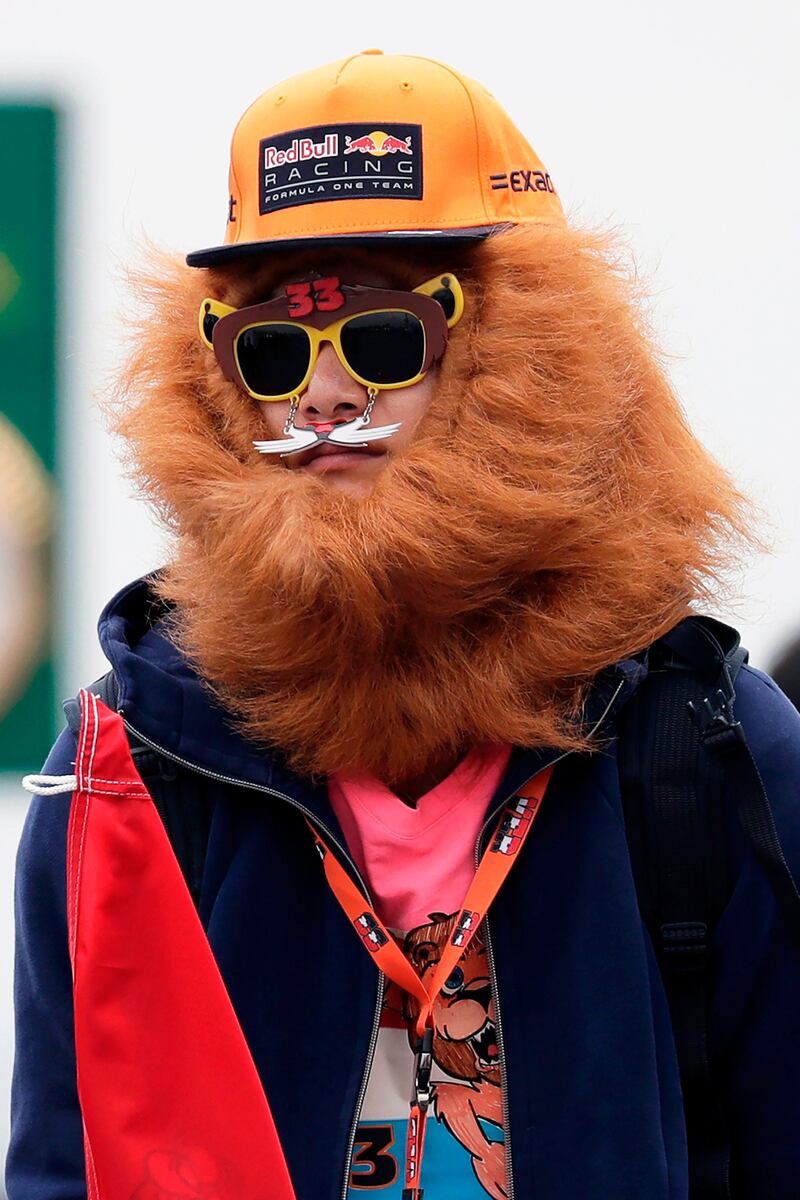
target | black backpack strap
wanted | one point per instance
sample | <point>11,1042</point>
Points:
<point>672,791</point>
<point>676,775</point>
<point>183,799</point>
<point>106,687</point>
<point>722,733</point>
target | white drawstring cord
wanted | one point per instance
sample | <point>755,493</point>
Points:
<point>49,785</point>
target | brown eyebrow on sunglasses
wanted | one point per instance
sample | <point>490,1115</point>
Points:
<point>384,338</point>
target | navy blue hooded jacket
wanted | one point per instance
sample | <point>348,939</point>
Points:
<point>591,1075</point>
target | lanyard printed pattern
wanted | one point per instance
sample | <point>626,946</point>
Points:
<point>513,827</point>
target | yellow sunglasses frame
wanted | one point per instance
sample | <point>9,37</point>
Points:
<point>332,333</point>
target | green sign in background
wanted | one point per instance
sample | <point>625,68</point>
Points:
<point>28,340</point>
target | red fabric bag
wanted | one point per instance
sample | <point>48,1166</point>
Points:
<point>172,1102</point>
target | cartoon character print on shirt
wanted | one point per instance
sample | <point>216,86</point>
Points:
<point>464,1046</point>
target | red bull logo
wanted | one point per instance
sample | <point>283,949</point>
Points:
<point>350,161</point>
<point>378,143</point>
<point>300,150</point>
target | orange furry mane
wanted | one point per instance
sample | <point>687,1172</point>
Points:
<point>553,514</point>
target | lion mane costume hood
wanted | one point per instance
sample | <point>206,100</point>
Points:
<point>553,514</point>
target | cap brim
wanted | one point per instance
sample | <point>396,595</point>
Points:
<point>409,237</point>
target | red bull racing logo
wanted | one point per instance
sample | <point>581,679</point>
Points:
<point>340,162</point>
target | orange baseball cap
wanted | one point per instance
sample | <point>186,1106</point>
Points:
<point>378,147</point>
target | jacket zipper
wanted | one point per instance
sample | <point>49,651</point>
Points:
<point>259,787</point>
<point>373,1041</point>
<point>376,1016</point>
<point>490,952</point>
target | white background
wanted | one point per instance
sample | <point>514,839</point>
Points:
<point>676,123</point>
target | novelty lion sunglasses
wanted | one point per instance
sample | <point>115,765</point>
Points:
<point>383,338</point>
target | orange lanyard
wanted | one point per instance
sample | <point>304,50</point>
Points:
<point>513,826</point>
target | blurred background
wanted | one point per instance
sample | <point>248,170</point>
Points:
<point>676,124</point>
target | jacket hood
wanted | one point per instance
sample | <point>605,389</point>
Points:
<point>163,698</point>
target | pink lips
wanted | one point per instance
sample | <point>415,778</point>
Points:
<point>329,457</point>
<point>327,448</point>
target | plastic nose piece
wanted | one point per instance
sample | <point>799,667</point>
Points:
<point>323,426</point>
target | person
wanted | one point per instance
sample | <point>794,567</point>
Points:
<point>433,499</point>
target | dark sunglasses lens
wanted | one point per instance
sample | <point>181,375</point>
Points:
<point>273,359</point>
<point>387,347</point>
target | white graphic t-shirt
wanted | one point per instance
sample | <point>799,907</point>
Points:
<point>418,863</point>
